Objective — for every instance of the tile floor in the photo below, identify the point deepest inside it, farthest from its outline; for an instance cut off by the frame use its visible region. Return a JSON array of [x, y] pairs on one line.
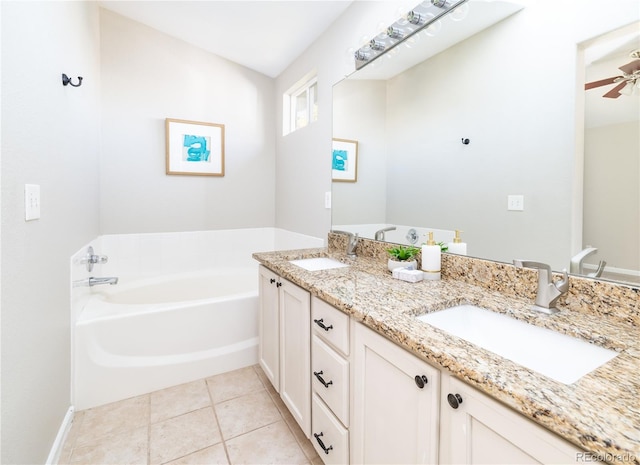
[[232, 418]]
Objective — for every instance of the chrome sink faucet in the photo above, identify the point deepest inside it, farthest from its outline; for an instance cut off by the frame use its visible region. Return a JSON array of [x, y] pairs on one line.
[[548, 292], [352, 241], [576, 265], [379, 236]]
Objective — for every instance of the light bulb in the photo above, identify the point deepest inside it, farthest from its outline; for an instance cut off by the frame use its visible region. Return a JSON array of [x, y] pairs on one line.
[[460, 12], [433, 29], [627, 89], [395, 32], [411, 41]]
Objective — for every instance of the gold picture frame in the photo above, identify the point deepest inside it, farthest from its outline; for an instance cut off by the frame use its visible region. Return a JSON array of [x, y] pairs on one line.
[[194, 148]]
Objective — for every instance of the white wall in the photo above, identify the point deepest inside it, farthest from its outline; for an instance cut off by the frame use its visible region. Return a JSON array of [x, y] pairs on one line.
[[612, 202], [149, 76], [50, 137], [359, 110], [303, 167], [538, 124]]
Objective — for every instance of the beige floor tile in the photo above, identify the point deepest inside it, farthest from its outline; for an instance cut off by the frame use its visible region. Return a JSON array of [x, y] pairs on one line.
[[124, 448], [263, 377], [243, 414], [214, 455], [182, 435], [113, 418], [234, 384], [177, 400], [272, 444], [70, 440]]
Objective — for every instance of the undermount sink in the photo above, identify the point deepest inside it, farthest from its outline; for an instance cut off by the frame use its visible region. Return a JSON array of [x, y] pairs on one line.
[[558, 356], [318, 263]]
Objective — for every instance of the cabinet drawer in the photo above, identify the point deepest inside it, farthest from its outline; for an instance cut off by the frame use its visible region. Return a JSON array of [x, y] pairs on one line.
[[326, 429], [330, 378], [330, 324]]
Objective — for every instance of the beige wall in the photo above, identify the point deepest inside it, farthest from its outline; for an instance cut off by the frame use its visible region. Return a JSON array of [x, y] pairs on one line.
[[148, 76], [50, 137]]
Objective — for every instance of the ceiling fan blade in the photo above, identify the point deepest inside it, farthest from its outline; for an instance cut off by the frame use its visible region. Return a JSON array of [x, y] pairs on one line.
[[630, 68], [602, 82], [614, 93]]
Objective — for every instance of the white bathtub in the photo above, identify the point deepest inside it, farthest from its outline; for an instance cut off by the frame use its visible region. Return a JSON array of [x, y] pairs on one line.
[[147, 334]]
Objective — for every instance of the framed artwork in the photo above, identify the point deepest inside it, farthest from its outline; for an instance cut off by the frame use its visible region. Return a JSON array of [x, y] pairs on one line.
[[344, 160], [194, 148]]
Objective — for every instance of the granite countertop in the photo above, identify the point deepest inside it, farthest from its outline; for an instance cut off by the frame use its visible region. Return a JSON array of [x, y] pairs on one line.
[[600, 412]]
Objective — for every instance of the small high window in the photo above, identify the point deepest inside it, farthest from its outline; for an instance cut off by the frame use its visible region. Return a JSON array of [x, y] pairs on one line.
[[300, 104]]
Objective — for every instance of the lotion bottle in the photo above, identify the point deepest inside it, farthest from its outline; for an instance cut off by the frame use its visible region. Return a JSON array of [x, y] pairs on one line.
[[431, 255], [457, 246]]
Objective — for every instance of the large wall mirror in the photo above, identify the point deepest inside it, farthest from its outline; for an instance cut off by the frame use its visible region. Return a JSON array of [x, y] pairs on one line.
[[566, 158]]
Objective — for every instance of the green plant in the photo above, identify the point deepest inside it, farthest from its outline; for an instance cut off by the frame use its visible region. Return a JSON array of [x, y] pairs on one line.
[[443, 246], [403, 253]]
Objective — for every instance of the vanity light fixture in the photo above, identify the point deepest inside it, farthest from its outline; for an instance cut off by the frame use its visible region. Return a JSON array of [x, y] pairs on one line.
[[420, 17]]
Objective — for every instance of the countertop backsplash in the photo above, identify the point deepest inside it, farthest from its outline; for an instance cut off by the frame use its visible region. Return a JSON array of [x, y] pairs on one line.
[[585, 295]]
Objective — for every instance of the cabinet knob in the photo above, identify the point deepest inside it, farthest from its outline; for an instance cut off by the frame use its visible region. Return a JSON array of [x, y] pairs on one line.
[[421, 381], [321, 379], [454, 400], [272, 280], [322, 325], [278, 284], [325, 449]]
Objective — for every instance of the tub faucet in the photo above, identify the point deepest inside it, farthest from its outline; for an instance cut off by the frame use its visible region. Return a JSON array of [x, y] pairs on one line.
[[352, 241], [548, 291], [95, 281], [379, 236]]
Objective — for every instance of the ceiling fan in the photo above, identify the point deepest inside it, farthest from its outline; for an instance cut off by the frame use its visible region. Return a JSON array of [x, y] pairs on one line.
[[630, 78]]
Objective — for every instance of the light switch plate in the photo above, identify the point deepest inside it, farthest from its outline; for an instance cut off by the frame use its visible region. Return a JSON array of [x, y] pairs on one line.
[[515, 202], [31, 202], [327, 200]]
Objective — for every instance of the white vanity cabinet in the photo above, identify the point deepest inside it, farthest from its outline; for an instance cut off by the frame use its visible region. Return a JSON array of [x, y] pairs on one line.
[[396, 403], [476, 429], [330, 370], [285, 347], [269, 325]]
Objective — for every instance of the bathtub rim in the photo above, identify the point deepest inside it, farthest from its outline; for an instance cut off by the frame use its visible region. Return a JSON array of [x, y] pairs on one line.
[[97, 308]]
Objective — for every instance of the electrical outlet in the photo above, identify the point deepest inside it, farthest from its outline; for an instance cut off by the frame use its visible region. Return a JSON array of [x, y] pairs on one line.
[[515, 202]]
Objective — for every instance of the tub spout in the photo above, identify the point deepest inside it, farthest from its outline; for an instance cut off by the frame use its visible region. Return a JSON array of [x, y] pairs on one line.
[[96, 281]]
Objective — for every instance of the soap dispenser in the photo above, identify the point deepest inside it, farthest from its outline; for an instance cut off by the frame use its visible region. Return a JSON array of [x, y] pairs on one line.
[[431, 259], [457, 246]]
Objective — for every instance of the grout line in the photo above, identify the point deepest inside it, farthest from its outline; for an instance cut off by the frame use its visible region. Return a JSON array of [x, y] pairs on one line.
[[149, 431], [215, 415]]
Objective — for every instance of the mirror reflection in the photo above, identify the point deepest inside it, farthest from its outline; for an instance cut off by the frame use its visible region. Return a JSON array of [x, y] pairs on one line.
[[497, 137]]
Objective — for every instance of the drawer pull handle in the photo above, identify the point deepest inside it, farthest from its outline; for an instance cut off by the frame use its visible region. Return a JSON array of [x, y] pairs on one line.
[[322, 325], [278, 284], [272, 280], [325, 449], [421, 381], [454, 400], [324, 383]]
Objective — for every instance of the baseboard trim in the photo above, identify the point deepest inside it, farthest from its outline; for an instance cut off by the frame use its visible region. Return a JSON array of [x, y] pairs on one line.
[[56, 448]]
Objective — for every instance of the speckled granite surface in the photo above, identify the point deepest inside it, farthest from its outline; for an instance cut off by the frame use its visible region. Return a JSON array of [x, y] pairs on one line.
[[600, 412]]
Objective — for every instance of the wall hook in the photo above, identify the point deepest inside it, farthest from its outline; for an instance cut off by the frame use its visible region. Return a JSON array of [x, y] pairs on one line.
[[67, 80], [465, 141]]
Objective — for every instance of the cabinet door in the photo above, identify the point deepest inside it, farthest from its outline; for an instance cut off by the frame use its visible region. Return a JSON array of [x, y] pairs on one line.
[[394, 419], [269, 326], [480, 430], [295, 352]]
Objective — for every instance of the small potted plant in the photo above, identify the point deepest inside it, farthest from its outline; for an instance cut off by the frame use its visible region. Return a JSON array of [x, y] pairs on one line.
[[403, 256]]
